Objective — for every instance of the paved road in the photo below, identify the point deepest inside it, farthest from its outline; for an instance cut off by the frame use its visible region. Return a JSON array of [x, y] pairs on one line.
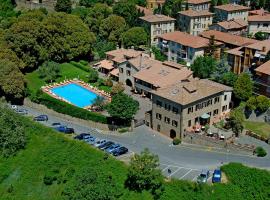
[[184, 161]]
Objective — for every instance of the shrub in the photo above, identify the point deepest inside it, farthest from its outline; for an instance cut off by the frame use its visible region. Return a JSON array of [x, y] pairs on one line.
[[84, 62], [65, 108], [176, 141], [260, 152], [81, 66]]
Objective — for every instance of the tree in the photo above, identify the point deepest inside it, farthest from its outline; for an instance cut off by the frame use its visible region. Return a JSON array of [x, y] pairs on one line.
[[11, 80], [229, 78], [143, 173], [203, 67], [158, 54], [98, 102], [251, 103], [117, 88], [123, 107], [236, 120], [49, 71], [111, 28], [63, 6], [8, 54], [91, 3], [172, 7], [101, 47], [127, 9], [222, 68], [261, 36], [93, 75], [243, 87], [212, 47], [135, 37], [263, 103]]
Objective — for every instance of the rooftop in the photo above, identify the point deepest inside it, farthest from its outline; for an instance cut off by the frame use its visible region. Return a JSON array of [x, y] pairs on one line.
[[185, 39], [157, 18], [228, 38], [232, 7], [236, 51], [263, 47], [233, 24], [259, 18], [264, 68], [195, 13], [198, 1], [121, 55], [190, 91], [258, 12], [144, 10], [157, 73]]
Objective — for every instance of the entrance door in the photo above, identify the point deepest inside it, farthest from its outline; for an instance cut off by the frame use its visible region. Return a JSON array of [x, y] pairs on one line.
[[172, 134]]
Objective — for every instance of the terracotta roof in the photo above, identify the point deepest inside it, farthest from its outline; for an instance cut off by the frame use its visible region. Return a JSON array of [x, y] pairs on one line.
[[228, 38], [195, 13], [122, 55], [158, 73], [198, 1], [263, 47], [185, 39], [144, 10], [107, 64], [186, 92], [259, 18], [157, 18], [258, 12], [115, 72], [264, 68], [231, 7], [233, 24], [236, 51]]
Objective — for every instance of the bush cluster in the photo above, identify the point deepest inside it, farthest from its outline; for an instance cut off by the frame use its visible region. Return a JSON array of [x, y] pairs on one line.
[[260, 152], [65, 108], [176, 141]]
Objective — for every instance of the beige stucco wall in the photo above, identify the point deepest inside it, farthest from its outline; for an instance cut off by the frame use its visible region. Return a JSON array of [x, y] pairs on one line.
[[225, 15], [254, 27], [159, 28]]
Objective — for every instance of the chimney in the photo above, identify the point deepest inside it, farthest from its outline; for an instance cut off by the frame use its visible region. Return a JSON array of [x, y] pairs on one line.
[[141, 61], [263, 48]]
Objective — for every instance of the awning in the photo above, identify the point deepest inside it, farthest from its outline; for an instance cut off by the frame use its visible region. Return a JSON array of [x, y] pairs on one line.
[[205, 116]]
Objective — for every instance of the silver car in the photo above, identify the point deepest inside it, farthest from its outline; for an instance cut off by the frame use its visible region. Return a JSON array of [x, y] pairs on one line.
[[99, 142]]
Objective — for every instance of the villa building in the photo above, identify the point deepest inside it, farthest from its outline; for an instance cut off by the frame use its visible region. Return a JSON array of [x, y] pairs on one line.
[[198, 5], [234, 26], [180, 46], [188, 105], [231, 11], [259, 23], [194, 22], [248, 56], [262, 80], [157, 25]]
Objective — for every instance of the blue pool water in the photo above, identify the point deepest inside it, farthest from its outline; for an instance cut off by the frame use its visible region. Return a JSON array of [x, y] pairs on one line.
[[75, 94]]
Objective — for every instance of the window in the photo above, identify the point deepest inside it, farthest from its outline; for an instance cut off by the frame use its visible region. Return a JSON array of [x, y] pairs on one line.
[[158, 127], [174, 123], [167, 107], [190, 110], [128, 72], [159, 103], [121, 70], [158, 116], [175, 110], [189, 123], [215, 112], [265, 25], [216, 99], [167, 120], [128, 65], [225, 97], [224, 108]]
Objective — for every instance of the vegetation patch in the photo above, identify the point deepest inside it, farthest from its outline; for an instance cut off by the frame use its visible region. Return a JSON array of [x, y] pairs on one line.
[[260, 128]]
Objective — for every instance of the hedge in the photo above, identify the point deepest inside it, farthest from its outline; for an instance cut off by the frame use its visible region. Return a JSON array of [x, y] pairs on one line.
[[80, 66], [68, 109], [84, 62]]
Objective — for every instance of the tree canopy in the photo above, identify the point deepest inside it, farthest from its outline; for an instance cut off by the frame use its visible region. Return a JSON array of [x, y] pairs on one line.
[[204, 66], [243, 87], [63, 6], [135, 37], [49, 71], [172, 7]]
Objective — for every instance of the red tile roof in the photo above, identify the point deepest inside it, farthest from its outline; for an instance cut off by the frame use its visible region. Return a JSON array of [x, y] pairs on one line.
[[233, 24], [198, 1], [195, 13], [231, 7], [259, 18], [157, 18], [264, 68]]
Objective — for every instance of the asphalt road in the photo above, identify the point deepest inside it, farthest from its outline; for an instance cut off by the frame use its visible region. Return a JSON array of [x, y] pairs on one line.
[[182, 160]]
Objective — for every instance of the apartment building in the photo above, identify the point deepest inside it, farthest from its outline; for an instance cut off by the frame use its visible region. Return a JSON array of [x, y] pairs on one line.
[[157, 25], [231, 11], [229, 40], [146, 74], [259, 23], [152, 4], [187, 105], [248, 56], [180, 46], [194, 22], [234, 26], [262, 80], [198, 5]]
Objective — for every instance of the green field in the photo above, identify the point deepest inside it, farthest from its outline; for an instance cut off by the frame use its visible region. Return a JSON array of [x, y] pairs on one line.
[[50, 154], [259, 128]]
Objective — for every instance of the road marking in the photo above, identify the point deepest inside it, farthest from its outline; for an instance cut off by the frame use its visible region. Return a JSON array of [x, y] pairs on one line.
[[166, 168], [194, 178], [175, 171], [186, 174]]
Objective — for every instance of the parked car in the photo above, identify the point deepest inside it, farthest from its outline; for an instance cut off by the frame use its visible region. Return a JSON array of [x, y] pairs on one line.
[[41, 118], [81, 136], [113, 147], [55, 124], [203, 177], [21, 111], [90, 140], [64, 129], [99, 142], [14, 107], [216, 176], [120, 151], [106, 145]]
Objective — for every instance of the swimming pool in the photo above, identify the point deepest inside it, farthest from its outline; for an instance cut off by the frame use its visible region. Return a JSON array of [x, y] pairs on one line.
[[75, 94]]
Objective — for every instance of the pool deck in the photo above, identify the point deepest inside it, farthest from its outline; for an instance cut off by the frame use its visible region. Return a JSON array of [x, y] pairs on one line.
[[47, 89]]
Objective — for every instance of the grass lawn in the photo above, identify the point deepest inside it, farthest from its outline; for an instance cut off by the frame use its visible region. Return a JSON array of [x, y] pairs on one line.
[[259, 128]]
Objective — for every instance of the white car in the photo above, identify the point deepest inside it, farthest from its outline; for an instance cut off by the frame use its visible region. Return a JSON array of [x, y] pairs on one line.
[[100, 142]]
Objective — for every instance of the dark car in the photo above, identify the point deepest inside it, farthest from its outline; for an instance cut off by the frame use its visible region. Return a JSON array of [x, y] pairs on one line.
[[64, 129], [41, 118], [106, 145], [55, 124], [119, 151], [21, 111], [81, 136], [216, 176]]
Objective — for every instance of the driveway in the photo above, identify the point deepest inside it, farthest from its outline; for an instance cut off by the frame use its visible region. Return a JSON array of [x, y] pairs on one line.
[[183, 160]]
